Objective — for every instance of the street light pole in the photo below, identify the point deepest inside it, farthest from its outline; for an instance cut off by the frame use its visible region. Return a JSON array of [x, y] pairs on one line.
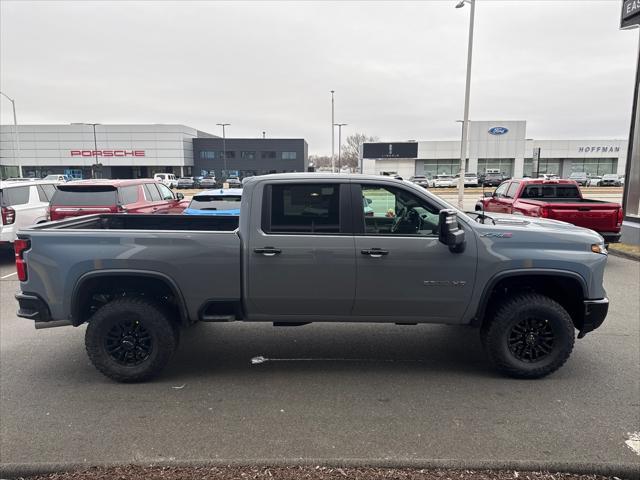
[[333, 153], [465, 123], [224, 147], [339, 125], [95, 149], [16, 135]]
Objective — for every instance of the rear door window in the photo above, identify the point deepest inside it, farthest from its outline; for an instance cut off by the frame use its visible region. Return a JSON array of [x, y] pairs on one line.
[[15, 196], [151, 192], [85, 196], [303, 209], [215, 202], [129, 195]]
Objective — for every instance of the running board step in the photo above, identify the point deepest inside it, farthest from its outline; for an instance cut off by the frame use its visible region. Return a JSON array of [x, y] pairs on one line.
[[218, 318]]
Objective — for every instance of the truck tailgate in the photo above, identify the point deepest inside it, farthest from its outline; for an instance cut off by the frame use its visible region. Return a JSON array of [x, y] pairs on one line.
[[601, 217]]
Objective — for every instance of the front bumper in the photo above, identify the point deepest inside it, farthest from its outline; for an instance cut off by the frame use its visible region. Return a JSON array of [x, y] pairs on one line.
[[595, 311]]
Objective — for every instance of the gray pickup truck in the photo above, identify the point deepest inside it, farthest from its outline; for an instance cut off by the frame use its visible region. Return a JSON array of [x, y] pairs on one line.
[[315, 248]]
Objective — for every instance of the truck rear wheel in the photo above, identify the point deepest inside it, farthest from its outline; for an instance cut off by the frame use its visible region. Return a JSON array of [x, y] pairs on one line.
[[530, 336], [130, 339]]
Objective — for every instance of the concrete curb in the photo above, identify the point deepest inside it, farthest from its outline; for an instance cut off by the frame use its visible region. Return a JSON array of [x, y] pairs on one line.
[[628, 256], [629, 471]]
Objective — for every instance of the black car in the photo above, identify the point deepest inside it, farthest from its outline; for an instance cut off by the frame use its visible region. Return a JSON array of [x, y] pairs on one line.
[[493, 179]]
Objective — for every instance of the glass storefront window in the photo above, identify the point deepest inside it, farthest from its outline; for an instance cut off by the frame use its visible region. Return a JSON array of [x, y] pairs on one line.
[[448, 166], [545, 165], [595, 166], [504, 165]]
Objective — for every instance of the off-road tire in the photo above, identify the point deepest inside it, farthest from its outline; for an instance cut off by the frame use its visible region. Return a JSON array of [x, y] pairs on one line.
[[496, 333], [156, 322]]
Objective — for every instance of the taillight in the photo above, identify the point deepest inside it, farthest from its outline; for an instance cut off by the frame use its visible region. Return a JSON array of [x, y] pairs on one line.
[[8, 215], [544, 212], [19, 247], [620, 217]]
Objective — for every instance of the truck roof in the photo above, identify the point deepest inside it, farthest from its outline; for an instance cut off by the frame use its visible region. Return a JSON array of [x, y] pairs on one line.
[[112, 183], [535, 181], [321, 176]]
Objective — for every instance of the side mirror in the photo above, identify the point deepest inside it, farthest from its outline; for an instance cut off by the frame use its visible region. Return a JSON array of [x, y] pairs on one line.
[[488, 194], [450, 232], [179, 196]]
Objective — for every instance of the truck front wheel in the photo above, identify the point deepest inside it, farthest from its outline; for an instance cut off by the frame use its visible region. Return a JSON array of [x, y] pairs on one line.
[[130, 339], [530, 336]]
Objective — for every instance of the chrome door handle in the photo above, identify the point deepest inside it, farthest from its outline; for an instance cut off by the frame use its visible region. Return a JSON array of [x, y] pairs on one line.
[[374, 252], [268, 251]]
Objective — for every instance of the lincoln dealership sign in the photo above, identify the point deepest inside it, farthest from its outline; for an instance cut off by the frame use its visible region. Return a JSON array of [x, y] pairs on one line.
[[107, 153], [599, 148]]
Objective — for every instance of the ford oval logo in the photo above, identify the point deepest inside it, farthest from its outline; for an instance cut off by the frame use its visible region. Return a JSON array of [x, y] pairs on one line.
[[498, 130]]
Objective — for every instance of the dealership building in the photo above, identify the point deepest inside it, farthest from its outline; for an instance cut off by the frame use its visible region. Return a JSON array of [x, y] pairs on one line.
[[497, 145], [139, 151]]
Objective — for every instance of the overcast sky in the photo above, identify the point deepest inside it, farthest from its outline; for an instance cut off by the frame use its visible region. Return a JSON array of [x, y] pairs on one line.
[[397, 68]]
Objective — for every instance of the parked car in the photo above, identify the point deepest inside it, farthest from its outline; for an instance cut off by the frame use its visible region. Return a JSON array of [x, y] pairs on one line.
[[169, 179], [594, 181], [422, 181], [57, 178], [23, 204], [581, 178], [492, 179], [470, 179], [549, 176], [610, 180], [86, 197], [233, 182], [208, 182], [555, 199], [298, 253], [622, 179], [186, 182], [223, 201], [445, 181]]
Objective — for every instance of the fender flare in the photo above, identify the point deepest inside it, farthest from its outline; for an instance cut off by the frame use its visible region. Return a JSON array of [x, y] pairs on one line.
[[537, 272], [75, 301]]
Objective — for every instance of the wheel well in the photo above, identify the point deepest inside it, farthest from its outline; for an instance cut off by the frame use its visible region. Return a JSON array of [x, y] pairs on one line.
[[567, 291], [95, 292]]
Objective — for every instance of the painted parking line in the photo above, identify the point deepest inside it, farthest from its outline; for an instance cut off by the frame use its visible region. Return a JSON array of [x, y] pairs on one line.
[[9, 275]]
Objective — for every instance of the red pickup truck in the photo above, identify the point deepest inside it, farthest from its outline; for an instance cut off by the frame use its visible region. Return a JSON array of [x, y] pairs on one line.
[[555, 199]]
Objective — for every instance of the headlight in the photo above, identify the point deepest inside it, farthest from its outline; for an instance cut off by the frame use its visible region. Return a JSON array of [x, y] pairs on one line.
[[599, 248]]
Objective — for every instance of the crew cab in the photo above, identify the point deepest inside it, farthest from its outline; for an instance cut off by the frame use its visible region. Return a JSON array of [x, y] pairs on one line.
[[555, 199], [86, 197], [309, 248]]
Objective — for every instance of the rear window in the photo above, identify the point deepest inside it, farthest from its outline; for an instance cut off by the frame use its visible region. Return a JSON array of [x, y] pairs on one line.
[[93, 196], [551, 191], [14, 196], [215, 202]]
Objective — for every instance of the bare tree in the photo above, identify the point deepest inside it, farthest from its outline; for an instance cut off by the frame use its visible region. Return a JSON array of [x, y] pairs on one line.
[[320, 160], [351, 148]]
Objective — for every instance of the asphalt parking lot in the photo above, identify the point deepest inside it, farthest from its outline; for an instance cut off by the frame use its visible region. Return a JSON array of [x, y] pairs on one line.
[[402, 393]]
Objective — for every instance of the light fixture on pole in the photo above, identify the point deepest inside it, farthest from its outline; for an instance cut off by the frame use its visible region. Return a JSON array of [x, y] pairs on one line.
[[339, 125], [224, 148], [264, 134], [333, 154], [465, 123], [16, 136]]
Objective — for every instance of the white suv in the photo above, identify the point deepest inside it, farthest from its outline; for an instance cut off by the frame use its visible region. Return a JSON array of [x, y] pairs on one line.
[[23, 204], [169, 179]]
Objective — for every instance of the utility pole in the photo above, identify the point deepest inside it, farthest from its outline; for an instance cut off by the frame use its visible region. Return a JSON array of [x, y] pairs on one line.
[[16, 135], [224, 148], [339, 125], [333, 154], [465, 124]]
